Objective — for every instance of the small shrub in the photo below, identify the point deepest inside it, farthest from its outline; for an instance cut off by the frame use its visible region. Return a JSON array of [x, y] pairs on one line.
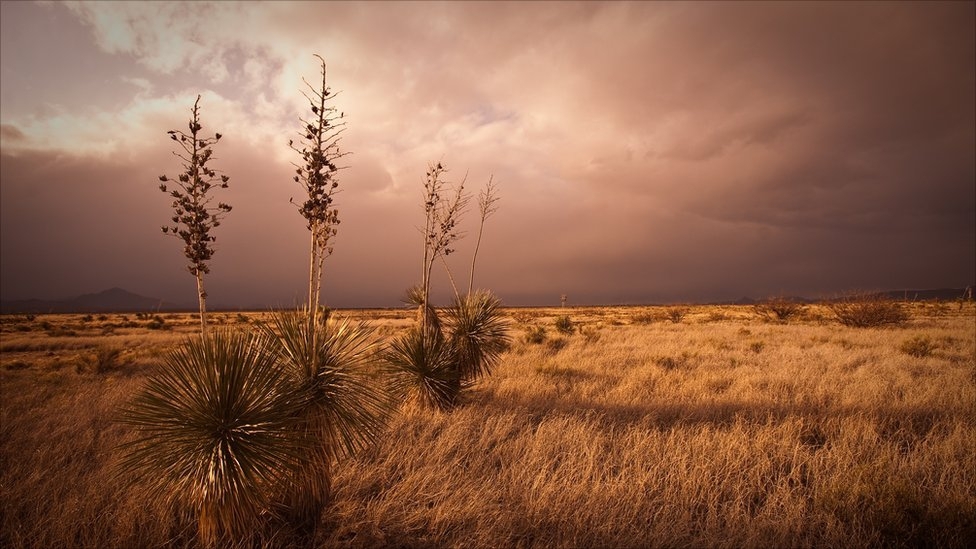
[[716, 317], [103, 360], [590, 335], [779, 309], [564, 325], [676, 314], [864, 311], [536, 335], [102, 318], [757, 346], [919, 346], [157, 323], [241, 319], [87, 318], [644, 318]]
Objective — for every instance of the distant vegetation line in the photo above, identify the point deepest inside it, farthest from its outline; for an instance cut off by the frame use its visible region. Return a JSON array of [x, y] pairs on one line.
[[118, 300]]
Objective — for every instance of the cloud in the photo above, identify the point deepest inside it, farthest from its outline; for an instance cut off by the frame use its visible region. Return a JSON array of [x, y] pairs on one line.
[[643, 150]]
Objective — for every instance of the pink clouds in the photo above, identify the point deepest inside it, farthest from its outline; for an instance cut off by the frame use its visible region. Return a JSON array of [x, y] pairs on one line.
[[644, 150]]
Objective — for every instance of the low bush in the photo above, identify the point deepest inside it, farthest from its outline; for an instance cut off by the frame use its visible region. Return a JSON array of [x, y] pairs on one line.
[[919, 346], [676, 314], [867, 311], [644, 318], [536, 335], [564, 325], [779, 309]]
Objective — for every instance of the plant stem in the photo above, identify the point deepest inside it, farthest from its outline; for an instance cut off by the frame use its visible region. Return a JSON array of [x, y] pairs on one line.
[[202, 297]]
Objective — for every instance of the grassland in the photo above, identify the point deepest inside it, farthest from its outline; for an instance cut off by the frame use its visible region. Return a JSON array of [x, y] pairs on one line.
[[626, 430]]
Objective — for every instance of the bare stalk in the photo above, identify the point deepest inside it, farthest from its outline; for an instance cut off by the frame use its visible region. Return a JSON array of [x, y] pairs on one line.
[[487, 199], [440, 232]]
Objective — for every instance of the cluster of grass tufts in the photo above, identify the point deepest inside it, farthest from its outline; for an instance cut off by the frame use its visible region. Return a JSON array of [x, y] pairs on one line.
[[919, 346]]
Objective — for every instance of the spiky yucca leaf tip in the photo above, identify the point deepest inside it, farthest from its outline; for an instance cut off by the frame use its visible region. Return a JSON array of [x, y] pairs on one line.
[[215, 432], [478, 333]]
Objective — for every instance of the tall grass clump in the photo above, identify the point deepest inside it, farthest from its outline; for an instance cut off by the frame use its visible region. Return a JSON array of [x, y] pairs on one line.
[[215, 433]]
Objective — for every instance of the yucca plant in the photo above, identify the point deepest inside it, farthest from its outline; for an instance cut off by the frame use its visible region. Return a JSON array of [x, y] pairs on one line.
[[422, 365], [215, 433], [343, 406], [317, 174], [478, 332], [434, 361]]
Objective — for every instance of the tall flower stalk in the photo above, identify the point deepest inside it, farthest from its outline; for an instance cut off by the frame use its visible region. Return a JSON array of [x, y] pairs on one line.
[[442, 214], [194, 214], [487, 206], [318, 145]]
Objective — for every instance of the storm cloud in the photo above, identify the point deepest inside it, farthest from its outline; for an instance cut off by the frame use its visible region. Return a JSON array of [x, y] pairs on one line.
[[645, 152]]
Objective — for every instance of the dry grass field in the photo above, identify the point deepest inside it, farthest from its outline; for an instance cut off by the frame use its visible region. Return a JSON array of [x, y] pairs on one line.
[[623, 429]]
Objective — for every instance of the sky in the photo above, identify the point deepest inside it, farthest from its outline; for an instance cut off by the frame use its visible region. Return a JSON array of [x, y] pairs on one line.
[[646, 152]]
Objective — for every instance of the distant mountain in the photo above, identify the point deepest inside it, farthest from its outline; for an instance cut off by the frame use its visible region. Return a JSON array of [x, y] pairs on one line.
[[115, 300]]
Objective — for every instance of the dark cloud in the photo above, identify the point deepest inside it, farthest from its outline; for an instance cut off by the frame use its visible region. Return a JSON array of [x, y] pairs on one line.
[[644, 151]]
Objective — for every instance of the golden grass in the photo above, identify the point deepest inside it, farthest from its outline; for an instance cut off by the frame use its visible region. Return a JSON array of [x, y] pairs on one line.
[[722, 430]]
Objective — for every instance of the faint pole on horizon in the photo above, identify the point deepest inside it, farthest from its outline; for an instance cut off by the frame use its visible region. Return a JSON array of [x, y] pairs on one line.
[[562, 300]]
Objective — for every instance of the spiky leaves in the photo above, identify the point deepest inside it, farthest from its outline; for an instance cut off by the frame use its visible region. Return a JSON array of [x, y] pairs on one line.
[[318, 145], [422, 367], [343, 409], [215, 432], [194, 214], [478, 334], [432, 366]]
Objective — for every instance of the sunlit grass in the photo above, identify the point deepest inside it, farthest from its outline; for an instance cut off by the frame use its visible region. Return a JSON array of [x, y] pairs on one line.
[[723, 430]]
